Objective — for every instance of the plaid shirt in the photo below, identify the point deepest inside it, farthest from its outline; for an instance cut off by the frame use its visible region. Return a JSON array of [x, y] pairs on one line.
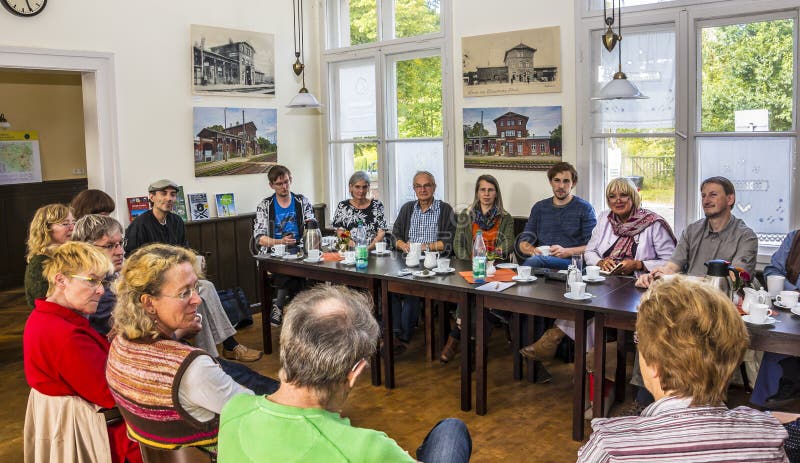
[[424, 225]]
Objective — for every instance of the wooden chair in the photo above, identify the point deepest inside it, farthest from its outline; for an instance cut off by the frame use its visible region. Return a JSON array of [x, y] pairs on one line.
[[184, 455]]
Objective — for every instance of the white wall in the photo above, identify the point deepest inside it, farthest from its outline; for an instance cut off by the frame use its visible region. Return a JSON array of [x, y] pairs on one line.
[[151, 47], [476, 17]]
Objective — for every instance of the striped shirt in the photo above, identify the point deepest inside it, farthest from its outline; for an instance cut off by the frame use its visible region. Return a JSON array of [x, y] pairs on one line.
[[424, 224], [669, 430]]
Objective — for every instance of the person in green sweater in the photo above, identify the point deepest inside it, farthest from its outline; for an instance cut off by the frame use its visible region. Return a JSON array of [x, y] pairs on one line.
[[51, 227], [327, 336], [486, 213]]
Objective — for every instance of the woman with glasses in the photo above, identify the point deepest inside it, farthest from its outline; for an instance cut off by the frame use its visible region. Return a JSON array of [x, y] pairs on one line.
[[157, 295], [51, 226], [65, 362], [360, 208]]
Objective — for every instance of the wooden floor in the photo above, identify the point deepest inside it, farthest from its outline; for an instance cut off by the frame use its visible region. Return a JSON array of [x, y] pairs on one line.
[[525, 422]]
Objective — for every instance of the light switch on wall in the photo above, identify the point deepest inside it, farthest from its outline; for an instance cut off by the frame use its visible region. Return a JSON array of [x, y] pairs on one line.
[[79, 171]]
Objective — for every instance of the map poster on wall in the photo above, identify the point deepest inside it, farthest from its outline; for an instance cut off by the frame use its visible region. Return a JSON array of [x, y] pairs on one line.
[[19, 157], [512, 63]]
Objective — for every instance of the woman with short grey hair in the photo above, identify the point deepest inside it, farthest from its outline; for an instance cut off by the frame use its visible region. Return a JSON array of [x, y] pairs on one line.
[[360, 208]]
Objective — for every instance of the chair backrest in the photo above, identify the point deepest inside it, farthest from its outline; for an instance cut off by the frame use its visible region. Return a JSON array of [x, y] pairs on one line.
[[184, 455]]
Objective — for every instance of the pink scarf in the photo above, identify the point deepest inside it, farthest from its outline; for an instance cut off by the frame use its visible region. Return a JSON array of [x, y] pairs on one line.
[[627, 231]]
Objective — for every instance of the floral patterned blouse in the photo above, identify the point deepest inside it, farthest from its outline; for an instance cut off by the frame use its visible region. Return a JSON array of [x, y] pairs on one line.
[[347, 217]]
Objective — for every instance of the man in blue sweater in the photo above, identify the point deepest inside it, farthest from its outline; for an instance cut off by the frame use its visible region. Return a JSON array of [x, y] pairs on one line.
[[563, 222]]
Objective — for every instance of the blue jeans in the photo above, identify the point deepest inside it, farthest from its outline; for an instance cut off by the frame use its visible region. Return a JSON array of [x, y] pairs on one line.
[[248, 378], [448, 442], [405, 314], [548, 262], [769, 377]]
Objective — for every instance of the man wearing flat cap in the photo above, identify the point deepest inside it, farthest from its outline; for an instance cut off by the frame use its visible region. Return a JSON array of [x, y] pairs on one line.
[[159, 224]]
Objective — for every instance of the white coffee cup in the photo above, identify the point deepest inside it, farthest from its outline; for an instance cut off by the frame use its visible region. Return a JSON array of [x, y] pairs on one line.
[[279, 249], [592, 272], [759, 313], [443, 264], [349, 256], [380, 247], [524, 272], [545, 250], [314, 254], [775, 284], [788, 298], [577, 288]]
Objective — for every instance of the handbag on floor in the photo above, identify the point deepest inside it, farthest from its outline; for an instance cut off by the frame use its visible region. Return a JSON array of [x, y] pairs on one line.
[[237, 307]]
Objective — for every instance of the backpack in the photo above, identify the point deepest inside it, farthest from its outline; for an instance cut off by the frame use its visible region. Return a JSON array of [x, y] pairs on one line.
[[236, 306]]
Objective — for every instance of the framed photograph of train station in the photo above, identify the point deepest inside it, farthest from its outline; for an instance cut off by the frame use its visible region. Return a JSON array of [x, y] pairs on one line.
[[512, 138], [234, 141], [232, 62], [512, 63]]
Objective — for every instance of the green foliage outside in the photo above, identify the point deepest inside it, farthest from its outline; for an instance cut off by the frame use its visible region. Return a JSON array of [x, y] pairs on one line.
[[747, 66], [419, 97], [412, 18], [365, 157]]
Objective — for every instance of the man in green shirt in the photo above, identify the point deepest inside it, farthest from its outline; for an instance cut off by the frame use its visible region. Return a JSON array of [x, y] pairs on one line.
[[327, 335]]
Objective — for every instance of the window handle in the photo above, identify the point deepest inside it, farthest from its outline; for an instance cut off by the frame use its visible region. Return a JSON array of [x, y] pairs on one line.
[[680, 134]]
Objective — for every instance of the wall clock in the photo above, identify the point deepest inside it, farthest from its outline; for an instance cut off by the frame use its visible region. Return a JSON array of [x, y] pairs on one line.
[[24, 8]]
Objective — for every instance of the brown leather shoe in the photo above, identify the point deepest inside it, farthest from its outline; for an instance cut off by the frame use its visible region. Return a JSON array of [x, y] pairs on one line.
[[242, 354], [450, 349], [545, 347]]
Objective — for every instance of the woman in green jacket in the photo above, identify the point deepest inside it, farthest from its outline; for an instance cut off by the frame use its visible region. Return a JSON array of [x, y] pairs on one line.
[[486, 213]]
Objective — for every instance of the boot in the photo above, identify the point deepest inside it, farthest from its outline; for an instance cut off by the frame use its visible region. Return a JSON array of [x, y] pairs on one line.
[[450, 349], [545, 347]]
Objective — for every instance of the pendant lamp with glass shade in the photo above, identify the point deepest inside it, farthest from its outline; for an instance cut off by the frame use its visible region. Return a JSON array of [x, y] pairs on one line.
[[303, 99], [620, 88]]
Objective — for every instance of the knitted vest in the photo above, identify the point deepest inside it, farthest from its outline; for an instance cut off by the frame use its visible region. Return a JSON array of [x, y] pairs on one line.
[[144, 380]]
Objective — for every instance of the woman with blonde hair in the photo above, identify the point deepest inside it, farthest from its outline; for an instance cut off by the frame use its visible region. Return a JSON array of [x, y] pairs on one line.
[[65, 361], [157, 295], [51, 226]]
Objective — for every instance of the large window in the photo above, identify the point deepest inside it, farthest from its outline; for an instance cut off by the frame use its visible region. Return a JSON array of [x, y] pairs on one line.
[[722, 100], [385, 71]]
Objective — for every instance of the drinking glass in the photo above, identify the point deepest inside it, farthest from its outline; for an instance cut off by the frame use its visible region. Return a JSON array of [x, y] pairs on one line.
[[577, 261]]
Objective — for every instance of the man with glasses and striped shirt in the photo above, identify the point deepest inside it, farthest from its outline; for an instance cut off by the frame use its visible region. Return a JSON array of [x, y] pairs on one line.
[[430, 222]]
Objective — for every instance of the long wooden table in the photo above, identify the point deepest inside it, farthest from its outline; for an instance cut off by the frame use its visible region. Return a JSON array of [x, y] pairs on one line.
[[614, 306]]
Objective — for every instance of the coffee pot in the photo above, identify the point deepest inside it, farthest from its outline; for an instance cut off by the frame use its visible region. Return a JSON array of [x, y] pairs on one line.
[[718, 275], [312, 237], [430, 259]]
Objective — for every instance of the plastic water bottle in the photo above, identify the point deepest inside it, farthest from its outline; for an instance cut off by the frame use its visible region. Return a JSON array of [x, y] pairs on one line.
[[479, 259], [360, 238], [573, 276]]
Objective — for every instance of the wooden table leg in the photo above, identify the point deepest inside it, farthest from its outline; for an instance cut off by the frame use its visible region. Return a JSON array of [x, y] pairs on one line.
[[388, 348], [430, 331], [598, 406], [466, 373], [266, 305], [622, 365], [375, 361], [516, 345], [579, 388], [533, 368], [481, 350], [444, 326]]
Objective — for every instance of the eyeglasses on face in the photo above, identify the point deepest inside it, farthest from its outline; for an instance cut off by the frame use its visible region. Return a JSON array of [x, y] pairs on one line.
[[186, 293], [93, 282], [426, 186], [109, 246]]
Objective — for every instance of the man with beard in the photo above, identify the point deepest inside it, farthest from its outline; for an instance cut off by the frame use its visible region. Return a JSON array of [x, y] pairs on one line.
[[563, 222], [720, 235]]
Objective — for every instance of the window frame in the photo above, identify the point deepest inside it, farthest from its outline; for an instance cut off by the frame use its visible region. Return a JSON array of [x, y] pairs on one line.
[[687, 19], [384, 53]]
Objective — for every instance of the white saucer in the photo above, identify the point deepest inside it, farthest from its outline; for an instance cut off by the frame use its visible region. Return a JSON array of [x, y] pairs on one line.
[[272, 254], [347, 262], [375, 252], [594, 280], [523, 280], [510, 265], [585, 296], [291, 256], [312, 261], [796, 310], [768, 321], [419, 274], [778, 304], [442, 272]]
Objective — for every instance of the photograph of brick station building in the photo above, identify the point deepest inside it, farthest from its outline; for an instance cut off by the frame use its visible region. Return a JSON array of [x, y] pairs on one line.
[[512, 145]]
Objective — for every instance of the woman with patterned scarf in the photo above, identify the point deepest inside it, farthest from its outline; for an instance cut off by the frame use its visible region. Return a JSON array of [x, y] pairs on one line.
[[486, 213], [626, 234]]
